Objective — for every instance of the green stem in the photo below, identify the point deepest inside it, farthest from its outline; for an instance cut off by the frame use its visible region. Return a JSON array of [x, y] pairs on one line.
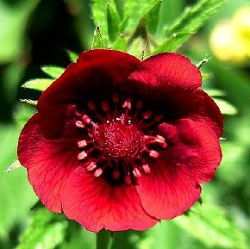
[[103, 240]]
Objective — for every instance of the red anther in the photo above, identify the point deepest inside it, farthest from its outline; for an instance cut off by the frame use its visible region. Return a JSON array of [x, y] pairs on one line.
[[127, 179], [139, 104], [98, 172], [105, 106], [158, 117], [115, 98], [116, 174], [78, 114], [91, 105], [86, 119], [82, 155], [147, 114]]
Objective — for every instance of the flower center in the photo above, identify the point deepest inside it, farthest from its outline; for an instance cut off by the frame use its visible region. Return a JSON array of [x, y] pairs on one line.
[[120, 142]]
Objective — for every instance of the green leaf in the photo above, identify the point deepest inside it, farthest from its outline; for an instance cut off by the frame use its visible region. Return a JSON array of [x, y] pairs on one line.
[[100, 18], [153, 16], [214, 92], [29, 101], [38, 84], [77, 237], [190, 21], [226, 107], [13, 166], [209, 224], [120, 44], [97, 39], [53, 71], [103, 239], [135, 11], [72, 56], [17, 196], [172, 42], [113, 22], [44, 231], [13, 19]]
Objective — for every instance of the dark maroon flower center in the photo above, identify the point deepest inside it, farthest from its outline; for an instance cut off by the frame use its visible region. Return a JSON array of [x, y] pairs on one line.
[[119, 141]]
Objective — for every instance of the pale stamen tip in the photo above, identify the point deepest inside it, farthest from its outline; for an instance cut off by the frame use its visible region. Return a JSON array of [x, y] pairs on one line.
[[82, 144], [91, 166], [136, 172], [82, 155], [98, 172], [146, 168], [127, 104], [154, 154], [79, 124], [86, 119]]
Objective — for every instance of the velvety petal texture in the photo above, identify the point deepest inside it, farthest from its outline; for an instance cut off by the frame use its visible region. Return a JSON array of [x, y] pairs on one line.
[[118, 143], [170, 71], [49, 162], [96, 72], [96, 204]]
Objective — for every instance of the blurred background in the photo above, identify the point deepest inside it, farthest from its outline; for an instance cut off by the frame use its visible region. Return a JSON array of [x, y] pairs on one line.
[[35, 33]]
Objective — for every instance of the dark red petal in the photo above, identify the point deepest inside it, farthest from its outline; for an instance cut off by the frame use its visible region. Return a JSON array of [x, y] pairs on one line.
[[196, 105], [170, 83], [98, 73], [49, 162], [170, 70], [194, 145], [96, 204], [169, 189]]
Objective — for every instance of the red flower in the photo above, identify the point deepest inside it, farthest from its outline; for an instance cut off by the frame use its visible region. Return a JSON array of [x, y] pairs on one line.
[[119, 143]]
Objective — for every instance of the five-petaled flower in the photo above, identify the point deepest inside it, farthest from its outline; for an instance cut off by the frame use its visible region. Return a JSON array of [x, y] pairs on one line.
[[118, 143]]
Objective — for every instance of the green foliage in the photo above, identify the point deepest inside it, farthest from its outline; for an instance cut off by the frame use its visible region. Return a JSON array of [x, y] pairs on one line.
[[103, 240], [225, 107], [12, 28], [206, 226], [153, 16], [120, 44], [13, 166], [38, 84], [53, 71], [172, 42], [113, 21], [72, 56], [97, 39], [214, 92], [78, 237], [134, 12], [44, 231], [209, 224], [100, 17], [17, 196], [187, 24], [135, 29], [29, 101]]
